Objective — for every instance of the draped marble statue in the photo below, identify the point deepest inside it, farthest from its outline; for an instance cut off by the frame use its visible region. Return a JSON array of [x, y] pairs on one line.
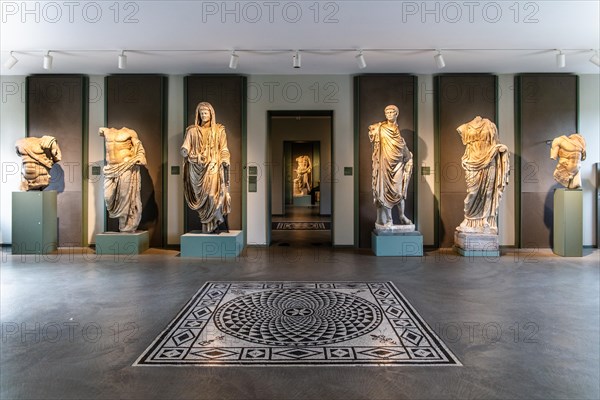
[[122, 178], [206, 168], [302, 183], [570, 151], [392, 164], [38, 155], [486, 165]]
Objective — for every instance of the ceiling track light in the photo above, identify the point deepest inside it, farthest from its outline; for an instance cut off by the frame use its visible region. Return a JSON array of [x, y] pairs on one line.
[[296, 60], [561, 59], [360, 60], [595, 59], [233, 60], [439, 59], [122, 60], [12, 60], [48, 60]]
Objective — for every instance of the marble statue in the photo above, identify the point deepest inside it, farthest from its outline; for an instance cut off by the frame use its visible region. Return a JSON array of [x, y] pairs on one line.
[[302, 183], [38, 154], [486, 165], [570, 151], [122, 177], [206, 168], [392, 168]]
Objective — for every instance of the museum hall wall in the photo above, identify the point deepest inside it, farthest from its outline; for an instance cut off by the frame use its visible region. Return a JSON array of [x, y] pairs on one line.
[[268, 93]]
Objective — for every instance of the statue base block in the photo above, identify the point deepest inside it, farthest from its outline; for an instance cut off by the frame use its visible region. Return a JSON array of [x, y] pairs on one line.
[[34, 222], [122, 242], [206, 245], [303, 201], [568, 222], [397, 244], [476, 244]]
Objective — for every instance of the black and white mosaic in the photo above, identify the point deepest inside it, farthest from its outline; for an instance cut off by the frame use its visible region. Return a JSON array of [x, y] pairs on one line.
[[297, 323]]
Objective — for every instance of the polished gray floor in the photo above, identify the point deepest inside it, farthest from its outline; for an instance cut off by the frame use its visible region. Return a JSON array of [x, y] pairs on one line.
[[525, 325]]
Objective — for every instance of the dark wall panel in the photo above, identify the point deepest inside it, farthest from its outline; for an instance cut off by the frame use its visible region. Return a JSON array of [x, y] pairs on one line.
[[374, 92], [546, 108], [459, 99], [57, 106], [227, 95], [139, 102]]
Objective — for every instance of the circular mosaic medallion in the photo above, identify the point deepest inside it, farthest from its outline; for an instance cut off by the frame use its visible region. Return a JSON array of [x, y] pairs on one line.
[[300, 317]]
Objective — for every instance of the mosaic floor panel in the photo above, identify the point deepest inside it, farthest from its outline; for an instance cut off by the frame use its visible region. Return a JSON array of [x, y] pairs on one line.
[[297, 324]]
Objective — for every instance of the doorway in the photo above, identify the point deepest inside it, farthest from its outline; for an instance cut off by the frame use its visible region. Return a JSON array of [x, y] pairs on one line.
[[300, 200]]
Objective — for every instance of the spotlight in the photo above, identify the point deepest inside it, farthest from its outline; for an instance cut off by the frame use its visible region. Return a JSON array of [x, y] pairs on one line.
[[12, 60], [595, 59], [233, 60], [48, 61], [360, 59], [439, 60], [122, 60], [561, 59], [296, 60]]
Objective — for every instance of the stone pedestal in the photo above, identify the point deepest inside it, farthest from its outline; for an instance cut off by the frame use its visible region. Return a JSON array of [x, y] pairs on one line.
[[568, 222], [122, 242], [394, 244], [206, 245], [476, 244], [303, 201], [34, 222]]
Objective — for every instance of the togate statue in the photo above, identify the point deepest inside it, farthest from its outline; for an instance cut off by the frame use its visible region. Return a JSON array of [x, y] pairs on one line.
[[486, 165], [122, 178], [38, 154], [392, 168], [570, 151], [302, 183], [206, 168]]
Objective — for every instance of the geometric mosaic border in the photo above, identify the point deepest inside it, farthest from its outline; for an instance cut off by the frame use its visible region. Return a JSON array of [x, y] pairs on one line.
[[297, 324]]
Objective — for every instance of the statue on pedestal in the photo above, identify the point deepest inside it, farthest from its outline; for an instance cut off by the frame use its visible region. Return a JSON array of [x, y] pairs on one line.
[[122, 178], [302, 183], [206, 168], [38, 155], [570, 151], [392, 164], [486, 165]]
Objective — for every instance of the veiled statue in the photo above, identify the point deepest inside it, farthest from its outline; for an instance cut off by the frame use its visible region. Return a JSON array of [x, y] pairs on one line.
[[38, 155], [392, 168], [122, 177], [206, 168], [570, 151], [302, 183], [486, 165]]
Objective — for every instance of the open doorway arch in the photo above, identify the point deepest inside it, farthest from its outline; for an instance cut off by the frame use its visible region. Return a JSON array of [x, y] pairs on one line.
[[299, 182]]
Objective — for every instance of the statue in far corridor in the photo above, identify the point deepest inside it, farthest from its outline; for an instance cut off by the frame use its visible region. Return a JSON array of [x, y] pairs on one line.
[[302, 183], [122, 177], [392, 169], [570, 151], [486, 165], [38, 155], [206, 169]]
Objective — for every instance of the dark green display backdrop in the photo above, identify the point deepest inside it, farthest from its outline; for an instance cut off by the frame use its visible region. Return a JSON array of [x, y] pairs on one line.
[[459, 99], [546, 107], [372, 94], [138, 102], [227, 95], [57, 106]]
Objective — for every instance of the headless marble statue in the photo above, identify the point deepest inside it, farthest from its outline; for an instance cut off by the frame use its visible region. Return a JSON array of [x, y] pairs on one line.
[[570, 151], [38, 154]]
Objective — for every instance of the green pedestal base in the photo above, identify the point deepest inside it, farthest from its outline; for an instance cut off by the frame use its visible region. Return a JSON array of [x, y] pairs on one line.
[[223, 245], [122, 242], [401, 244], [476, 244], [302, 201], [34, 222], [568, 222], [476, 253]]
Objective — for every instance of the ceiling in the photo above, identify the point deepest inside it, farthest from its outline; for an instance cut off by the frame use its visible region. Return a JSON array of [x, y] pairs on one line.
[[181, 37]]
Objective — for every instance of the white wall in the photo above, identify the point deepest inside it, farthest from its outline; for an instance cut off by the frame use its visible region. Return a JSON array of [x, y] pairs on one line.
[[506, 132], [95, 184], [12, 128], [426, 157], [175, 130]]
